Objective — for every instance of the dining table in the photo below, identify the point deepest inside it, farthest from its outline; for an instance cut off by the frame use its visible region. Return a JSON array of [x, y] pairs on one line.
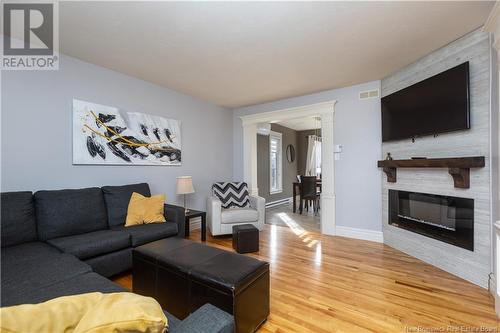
[[296, 191]]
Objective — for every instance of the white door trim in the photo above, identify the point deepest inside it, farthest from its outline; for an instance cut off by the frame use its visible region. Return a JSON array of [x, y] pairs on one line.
[[492, 25], [326, 112]]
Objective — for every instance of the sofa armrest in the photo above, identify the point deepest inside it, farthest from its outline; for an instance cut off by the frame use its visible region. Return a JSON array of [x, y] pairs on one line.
[[177, 215], [207, 319]]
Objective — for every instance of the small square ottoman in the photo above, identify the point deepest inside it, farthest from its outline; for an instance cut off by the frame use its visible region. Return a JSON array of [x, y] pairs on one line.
[[245, 238]]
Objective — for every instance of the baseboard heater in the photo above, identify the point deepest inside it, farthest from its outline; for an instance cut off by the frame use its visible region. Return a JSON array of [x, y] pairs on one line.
[[278, 202]]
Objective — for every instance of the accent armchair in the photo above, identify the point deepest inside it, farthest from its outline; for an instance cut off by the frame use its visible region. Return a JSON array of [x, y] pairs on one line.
[[220, 221]]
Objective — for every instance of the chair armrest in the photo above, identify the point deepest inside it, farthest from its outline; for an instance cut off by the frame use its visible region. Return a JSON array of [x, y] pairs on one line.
[[177, 215], [257, 202], [214, 210], [207, 319], [214, 203]]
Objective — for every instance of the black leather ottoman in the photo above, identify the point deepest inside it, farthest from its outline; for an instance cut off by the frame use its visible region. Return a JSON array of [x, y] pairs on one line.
[[245, 238], [183, 275]]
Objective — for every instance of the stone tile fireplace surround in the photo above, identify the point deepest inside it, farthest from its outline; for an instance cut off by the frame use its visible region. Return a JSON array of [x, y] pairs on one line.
[[474, 266]]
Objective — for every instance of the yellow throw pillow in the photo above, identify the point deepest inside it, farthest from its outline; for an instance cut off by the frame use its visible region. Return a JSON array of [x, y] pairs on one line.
[[143, 209], [86, 313]]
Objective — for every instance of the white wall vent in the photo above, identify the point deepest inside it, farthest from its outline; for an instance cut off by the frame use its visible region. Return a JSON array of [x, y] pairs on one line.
[[368, 94]]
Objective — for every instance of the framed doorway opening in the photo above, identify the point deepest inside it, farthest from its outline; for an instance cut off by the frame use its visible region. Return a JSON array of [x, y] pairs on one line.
[[325, 111]]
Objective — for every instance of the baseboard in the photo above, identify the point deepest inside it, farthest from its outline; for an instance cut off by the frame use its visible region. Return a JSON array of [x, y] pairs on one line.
[[493, 288], [493, 285], [497, 305], [365, 234], [278, 202]]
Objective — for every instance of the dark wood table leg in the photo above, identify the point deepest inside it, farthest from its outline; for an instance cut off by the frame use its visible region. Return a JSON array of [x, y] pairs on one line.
[[294, 198], [186, 228], [203, 227]]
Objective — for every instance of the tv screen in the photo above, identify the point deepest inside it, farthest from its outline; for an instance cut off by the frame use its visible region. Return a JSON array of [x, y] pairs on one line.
[[436, 105]]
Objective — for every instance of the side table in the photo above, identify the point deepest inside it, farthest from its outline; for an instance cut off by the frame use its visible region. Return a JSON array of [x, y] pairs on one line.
[[191, 214]]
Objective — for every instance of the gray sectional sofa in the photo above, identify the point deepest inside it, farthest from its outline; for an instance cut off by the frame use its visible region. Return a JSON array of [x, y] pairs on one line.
[[65, 242]]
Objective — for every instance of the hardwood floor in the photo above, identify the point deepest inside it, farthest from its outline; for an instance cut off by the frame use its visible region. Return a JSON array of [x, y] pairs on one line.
[[333, 284], [283, 216]]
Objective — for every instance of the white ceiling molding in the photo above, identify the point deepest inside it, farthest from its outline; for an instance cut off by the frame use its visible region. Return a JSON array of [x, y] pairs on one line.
[[311, 110], [302, 124]]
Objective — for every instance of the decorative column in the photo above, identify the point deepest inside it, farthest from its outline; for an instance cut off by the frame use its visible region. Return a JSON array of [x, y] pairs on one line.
[[328, 173], [250, 157]]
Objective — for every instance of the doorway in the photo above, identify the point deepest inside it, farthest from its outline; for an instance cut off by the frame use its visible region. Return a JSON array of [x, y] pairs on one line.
[[287, 151], [325, 113]]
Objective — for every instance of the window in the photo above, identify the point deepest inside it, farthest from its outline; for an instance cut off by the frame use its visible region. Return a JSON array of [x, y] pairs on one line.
[[275, 163], [317, 151]]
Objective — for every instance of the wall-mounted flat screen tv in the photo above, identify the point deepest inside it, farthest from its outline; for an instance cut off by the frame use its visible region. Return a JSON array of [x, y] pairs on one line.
[[435, 105]]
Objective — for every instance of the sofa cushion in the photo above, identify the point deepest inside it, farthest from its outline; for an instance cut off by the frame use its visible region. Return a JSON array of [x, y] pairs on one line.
[[92, 244], [31, 266], [83, 283], [239, 215], [145, 233], [112, 263], [69, 212], [117, 199], [18, 218]]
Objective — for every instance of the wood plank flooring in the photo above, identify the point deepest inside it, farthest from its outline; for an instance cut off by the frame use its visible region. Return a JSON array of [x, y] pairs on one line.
[[334, 284], [281, 215]]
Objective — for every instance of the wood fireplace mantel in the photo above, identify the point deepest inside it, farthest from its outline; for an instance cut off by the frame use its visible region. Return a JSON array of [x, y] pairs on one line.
[[458, 167]]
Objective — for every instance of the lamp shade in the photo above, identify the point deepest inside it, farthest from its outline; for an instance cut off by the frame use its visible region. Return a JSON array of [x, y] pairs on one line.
[[185, 185]]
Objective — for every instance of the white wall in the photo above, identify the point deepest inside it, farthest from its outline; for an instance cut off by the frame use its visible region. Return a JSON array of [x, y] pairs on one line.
[[36, 137], [357, 127]]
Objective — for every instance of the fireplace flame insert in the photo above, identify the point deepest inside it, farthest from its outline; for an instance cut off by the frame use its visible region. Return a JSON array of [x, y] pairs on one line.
[[445, 218]]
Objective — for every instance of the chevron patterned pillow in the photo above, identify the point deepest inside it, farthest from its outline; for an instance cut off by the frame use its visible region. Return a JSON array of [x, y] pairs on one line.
[[232, 194]]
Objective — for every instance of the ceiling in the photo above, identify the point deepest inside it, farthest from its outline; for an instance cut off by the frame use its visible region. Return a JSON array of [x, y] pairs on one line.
[[241, 53], [302, 124]]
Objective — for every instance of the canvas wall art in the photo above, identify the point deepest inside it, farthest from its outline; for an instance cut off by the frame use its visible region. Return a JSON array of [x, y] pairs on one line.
[[107, 135]]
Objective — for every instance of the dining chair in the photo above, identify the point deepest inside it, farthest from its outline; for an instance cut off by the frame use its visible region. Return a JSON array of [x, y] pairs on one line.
[[308, 192]]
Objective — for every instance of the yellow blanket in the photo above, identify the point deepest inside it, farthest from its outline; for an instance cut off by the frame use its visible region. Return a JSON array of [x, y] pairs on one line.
[[86, 313]]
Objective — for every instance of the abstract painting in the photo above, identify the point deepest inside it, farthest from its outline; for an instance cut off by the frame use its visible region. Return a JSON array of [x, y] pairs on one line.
[[107, 135]]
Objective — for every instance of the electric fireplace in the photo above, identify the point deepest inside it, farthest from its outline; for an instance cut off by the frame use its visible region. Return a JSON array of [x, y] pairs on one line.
[[445, 218]]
